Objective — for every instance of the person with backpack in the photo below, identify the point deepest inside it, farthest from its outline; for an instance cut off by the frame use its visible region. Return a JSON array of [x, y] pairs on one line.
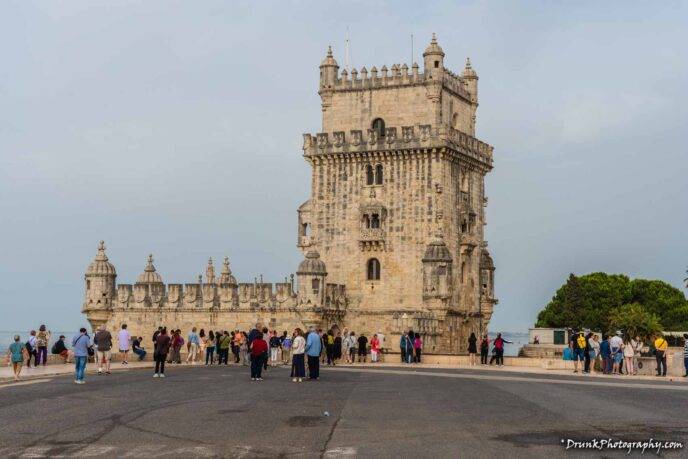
[[579, 345], [498, 351], [42, 340], [82, 348], [287, 342], [586, 351], [661, 347], [328, 338], [60, 349], [484, 349], [30, 347]]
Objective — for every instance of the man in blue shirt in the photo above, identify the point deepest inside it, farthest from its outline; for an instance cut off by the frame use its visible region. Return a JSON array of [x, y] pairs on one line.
[[80, 346], [313, 351], [194, 344]]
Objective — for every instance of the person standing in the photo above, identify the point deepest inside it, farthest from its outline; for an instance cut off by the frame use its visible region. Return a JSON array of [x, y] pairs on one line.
[[345, 345], [225, 343], [499, 350], [362, 348], [605, 355], [578, 345], [406, 346], [194, 342], [137, 349], [30, 346], [81, 344], [209, 348], [243, 349], [266, 338], [59, 348], [123, 339], [685, 354], [162, 347], [586, 355], [637, 348], [374, 348], [103, 339], [298, 348], [275, 345], [287, 343], [661, 347], [472, 349], [15, 355], [42, 340], [313, 350], [337, 348], [628, 353], [616, 352], [594, 351], [259, 350], [417, 347], [484, 349]]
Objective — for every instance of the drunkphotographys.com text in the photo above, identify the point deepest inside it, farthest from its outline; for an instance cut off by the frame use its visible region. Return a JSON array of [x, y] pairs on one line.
[[650, 446]]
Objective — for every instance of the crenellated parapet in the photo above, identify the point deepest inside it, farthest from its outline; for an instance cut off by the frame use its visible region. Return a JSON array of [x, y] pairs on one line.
[[396, 138]]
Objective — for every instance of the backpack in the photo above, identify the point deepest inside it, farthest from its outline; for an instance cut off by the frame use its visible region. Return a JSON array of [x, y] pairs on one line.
[[581, 341]]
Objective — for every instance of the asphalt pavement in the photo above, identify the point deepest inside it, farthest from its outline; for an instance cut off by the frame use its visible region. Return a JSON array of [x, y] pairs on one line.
[[200, 411]]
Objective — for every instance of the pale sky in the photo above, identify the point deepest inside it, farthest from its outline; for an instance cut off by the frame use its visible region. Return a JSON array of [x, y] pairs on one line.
[[175, 128]]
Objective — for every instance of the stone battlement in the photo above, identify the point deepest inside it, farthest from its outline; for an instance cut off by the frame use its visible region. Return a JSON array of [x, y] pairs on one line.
[[406, 137], [396, 76]]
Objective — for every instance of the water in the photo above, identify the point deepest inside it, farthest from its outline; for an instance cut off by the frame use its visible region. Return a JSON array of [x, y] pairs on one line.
[[519, 339], [7, 337]]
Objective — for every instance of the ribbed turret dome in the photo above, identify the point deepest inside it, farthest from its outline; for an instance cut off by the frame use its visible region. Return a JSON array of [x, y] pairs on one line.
[[149, 276], [101, 265], [312, 264], [329, 59], [468, 71], [226, 274], [437, 251], [433, 48]]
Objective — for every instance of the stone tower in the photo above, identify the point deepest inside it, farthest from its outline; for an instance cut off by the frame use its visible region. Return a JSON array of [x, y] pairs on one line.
[[100, 292], [397, 205]]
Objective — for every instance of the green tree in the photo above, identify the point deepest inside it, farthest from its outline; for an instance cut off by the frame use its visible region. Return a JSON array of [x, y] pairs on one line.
[[588, 301], [634, 320]]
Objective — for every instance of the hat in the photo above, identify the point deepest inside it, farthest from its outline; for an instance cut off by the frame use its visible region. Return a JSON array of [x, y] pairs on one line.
[[618, 333]]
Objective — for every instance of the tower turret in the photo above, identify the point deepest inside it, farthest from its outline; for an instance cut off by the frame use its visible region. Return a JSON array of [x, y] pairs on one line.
[[328, 71], [437, 269], [471, 78], [310, 279], [226, 277], [149, 285], [100, 288], [433, 58]]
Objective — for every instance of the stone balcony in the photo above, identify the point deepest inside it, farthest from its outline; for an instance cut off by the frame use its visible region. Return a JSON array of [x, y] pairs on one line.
[[372, 234]]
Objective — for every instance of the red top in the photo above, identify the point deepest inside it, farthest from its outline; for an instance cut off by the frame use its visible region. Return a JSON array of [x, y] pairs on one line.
[[375, 344], [258, 347]]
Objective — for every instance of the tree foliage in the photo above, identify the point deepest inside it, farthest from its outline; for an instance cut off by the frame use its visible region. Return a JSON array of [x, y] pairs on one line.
[[635, 320], [593, 300]]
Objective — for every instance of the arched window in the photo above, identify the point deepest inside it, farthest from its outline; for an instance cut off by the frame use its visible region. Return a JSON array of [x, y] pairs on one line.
[[370, 175], [455, 121], [378, 174], [375, 221], [88, 285], [379, 127], [316, 285], [373, 269]]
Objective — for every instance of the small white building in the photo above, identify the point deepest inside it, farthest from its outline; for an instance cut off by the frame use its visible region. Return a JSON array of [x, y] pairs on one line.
[[548, 335]]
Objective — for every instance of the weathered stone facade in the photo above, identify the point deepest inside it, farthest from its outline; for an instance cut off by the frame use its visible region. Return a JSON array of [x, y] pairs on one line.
[[393, 232]]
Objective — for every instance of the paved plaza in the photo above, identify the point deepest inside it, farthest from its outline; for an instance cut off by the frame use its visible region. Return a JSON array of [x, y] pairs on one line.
[[202, 411]]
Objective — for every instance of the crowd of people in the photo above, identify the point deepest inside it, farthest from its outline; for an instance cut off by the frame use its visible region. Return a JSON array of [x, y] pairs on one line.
[[617, 353], [261, 348]]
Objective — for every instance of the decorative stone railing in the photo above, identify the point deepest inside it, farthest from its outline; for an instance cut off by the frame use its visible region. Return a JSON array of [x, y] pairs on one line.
[[372, 234], [407, 137]]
